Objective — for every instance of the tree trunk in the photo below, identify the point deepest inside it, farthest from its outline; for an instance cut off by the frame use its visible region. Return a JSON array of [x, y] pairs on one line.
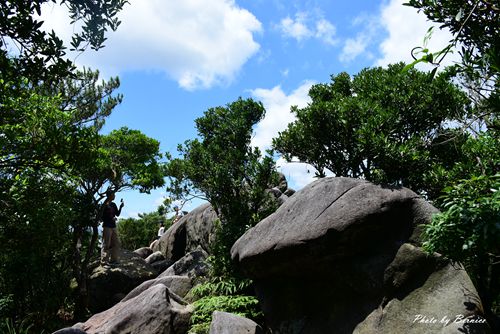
[[82, 274]]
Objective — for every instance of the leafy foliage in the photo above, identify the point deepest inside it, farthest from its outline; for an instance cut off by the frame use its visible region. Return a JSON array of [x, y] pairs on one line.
[[222, 294], [226, 170], [41, 53], [379, 125], [245, 306], [474, 25], [135, 233], [35, 247], [467, 230], [219, 286], [50, 115]]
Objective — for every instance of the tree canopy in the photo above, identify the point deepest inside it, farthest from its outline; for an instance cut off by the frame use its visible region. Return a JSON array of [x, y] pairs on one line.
[[27, 50], [383, 125], [224, 168], [467, 230]]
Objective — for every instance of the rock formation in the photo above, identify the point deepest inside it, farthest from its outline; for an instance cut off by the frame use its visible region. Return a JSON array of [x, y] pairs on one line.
[[155, 311], [339, 256], [342, 256], [228, 323], [196, 229], [108, 285]]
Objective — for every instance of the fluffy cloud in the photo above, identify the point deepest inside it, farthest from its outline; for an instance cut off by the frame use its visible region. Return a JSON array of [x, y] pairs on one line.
[[298, 174], [303, 27], [407, 28], [278, 116], [353, 47], [197, 43]]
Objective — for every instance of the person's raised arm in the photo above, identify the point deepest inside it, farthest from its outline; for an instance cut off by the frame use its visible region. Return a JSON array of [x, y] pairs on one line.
[[121, 206]]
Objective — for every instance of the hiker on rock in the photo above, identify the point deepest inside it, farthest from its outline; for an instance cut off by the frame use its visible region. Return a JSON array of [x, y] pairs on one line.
[[110, 242]]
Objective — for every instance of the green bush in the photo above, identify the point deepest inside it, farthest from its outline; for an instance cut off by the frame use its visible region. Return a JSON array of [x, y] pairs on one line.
[[246, 306], [225, 295], [136, 233], [468, 231]]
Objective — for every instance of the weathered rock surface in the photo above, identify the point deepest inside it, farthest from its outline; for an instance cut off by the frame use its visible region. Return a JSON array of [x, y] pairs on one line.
[[180, 285], [228, 323], [191, 265], [196, 229], [161, 266], [70, 330], [341, 256], [330, 218], [155, 311], [144, 252], [107, 285], [425, 295], [155, 257]]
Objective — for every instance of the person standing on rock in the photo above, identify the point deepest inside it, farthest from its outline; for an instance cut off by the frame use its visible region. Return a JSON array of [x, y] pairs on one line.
[[110, 242], [161, 230], [178, 214]]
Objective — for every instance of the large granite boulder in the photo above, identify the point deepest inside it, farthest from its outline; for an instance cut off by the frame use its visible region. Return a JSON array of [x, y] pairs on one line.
[[109, 284], [69, 330], [154, 311], [196, 229], [155, 257], [341, 253], [192, 265], [228, 323], [425, 294], [180, 285], [144, 252]]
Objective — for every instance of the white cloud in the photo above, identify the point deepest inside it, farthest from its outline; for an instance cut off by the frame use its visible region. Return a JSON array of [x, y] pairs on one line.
[[198, 44], [295, 28], [353, 47], [298, 174], [325, 31], [278, 114], [303, 27], [407, 28]]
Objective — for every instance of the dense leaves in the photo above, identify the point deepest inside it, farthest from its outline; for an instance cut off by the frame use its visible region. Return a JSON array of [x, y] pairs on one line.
[[40, 54], [379, 125], [224, 168], [34, 246], [140, 232], [225, 295], [468, 228], [474, 25]]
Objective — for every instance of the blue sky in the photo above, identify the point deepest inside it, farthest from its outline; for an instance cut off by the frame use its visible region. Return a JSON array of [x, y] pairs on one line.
[[176, 59]]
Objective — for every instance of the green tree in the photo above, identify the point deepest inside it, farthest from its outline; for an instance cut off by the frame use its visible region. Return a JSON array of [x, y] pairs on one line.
[[35, 270], [228, 172], [467, 230], [36, 204], [49, 112], [41, 53], [381, 125], [476, 38], [140, 232], [123, 159]]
